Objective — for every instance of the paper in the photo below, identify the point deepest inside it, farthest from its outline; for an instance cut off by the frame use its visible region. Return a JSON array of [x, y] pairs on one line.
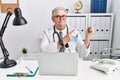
[[21, 69]]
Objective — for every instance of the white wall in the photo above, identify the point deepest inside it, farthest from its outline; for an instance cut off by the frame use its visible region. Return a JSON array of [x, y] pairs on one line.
[[38, 15]]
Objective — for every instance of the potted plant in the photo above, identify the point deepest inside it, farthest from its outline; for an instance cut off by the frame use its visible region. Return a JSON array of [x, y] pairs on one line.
[[24, 51]]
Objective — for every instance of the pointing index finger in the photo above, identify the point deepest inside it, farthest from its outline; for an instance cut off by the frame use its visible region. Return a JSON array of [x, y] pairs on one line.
[[71, 31]]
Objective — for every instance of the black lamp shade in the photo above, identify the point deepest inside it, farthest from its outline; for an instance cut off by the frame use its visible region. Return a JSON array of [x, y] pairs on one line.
[[19, 19]]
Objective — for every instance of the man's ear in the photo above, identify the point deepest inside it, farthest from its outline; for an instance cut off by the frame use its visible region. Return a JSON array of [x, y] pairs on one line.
[[52, 18]]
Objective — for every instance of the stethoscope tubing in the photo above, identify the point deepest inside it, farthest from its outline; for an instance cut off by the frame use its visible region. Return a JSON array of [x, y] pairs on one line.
[[55, 32]]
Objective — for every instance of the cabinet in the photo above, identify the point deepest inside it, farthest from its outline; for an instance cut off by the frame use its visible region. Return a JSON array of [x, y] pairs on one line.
[[102, 37]]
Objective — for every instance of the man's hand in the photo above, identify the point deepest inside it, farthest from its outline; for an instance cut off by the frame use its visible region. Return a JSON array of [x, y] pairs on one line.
[[89, 32], [68, 37]]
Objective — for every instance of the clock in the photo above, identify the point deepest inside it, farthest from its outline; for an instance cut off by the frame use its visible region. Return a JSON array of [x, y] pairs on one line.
[[78, 6]]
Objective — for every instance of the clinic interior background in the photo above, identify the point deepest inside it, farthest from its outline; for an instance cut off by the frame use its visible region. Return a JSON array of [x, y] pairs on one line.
[[38, 15]]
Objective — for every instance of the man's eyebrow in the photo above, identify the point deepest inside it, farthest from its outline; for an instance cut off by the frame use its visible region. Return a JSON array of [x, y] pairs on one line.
[[60, 15]]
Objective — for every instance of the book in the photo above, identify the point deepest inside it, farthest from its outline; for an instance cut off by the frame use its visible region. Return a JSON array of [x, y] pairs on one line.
[[98, 6], [92, 6]]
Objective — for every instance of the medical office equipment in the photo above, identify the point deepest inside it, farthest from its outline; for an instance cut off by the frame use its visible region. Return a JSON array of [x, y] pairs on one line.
[[106, 65], [114, 53], [62, 49], [62, 64]]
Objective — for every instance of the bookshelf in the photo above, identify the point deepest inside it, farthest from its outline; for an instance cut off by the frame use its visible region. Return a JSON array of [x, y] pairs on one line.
[[102, 37]]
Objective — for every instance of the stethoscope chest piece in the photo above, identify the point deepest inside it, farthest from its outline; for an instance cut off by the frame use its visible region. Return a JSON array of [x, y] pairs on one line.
[[55, 32]]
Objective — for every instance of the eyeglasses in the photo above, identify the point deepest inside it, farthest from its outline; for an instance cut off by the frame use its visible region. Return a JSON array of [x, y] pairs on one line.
[[59, 17]]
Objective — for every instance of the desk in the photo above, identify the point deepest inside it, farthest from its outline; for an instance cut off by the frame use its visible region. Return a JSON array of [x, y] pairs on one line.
[[84, 73]]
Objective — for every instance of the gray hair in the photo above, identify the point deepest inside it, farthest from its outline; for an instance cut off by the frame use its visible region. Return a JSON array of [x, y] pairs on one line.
[[58, 8]]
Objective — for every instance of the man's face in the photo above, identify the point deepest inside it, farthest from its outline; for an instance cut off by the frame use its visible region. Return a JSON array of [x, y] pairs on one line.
[[59, 18]]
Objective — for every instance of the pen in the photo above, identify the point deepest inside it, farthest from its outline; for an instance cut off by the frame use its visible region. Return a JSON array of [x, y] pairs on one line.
[[29, 69]]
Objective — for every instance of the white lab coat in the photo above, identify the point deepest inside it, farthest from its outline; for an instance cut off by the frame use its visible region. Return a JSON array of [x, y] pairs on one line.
[[48, 45]]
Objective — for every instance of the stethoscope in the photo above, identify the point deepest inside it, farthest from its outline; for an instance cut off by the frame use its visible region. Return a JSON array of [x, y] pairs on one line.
[[59, 38]]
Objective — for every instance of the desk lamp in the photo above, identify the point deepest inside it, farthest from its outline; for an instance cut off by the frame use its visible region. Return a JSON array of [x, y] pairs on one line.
[[18, 20]]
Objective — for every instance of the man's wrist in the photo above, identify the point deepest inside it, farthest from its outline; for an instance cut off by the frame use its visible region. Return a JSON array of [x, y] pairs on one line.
[[61, 43]]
